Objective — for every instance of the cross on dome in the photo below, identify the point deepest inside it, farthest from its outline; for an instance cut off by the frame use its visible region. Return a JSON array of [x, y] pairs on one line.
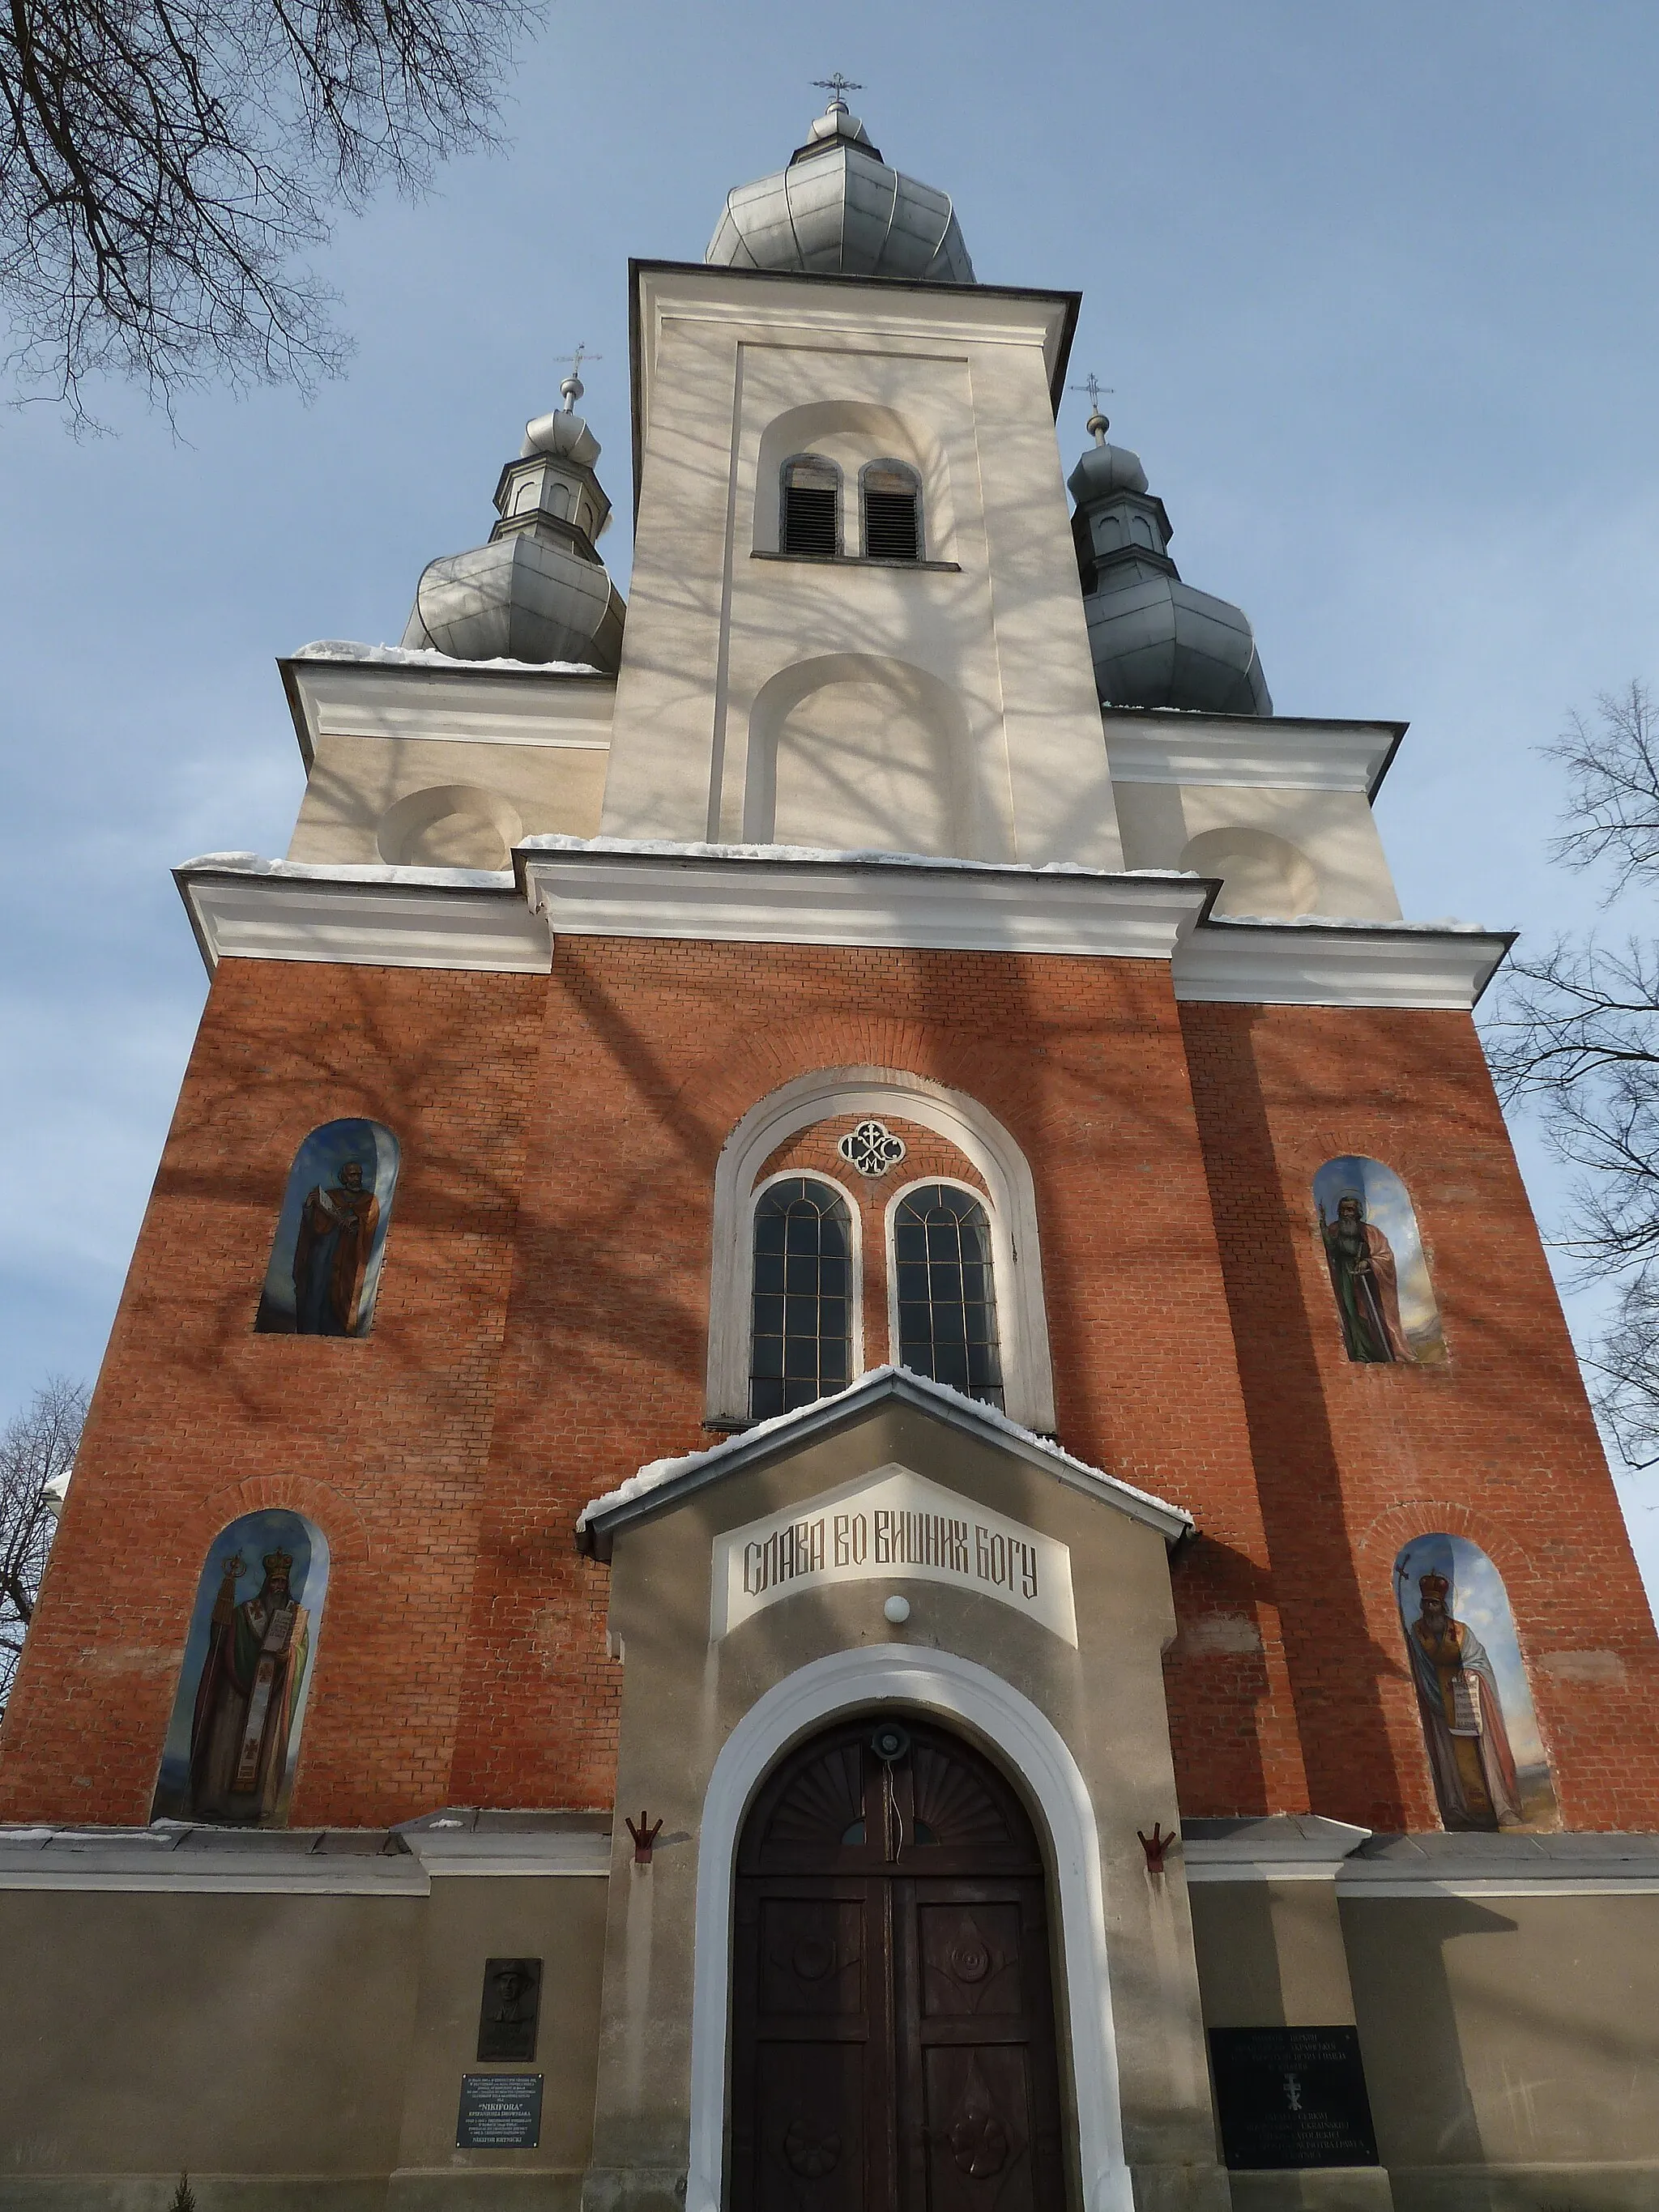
[[1097, 423], [573, 387], [837, 87]]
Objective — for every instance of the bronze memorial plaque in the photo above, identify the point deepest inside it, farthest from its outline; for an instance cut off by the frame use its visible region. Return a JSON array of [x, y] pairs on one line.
[[511, 2008], [1291, 2097]]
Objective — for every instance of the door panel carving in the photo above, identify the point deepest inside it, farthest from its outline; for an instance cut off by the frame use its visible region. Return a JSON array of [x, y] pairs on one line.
[[893, 2045]]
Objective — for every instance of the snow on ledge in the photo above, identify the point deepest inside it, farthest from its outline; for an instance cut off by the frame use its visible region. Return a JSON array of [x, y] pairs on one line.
[[419, 656], [354, 872], [658, 1472], [668, 848]]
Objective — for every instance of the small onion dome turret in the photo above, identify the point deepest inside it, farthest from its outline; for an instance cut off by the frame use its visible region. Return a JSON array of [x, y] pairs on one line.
[[1155, 641], [538, 590], [838, 210]]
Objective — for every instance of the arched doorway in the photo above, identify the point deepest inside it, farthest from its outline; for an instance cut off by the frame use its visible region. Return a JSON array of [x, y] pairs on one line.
[[893, 2031]]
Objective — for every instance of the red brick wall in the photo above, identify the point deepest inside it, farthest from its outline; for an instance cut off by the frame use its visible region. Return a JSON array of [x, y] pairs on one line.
[[381, 1440], [542, 1330], [651, 1053], [1352, 1460]]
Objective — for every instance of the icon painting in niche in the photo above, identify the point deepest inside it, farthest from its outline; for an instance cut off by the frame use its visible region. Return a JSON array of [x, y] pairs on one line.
[[235, 1736], [1487, 1759], [1384, 1298], [331, 1234]]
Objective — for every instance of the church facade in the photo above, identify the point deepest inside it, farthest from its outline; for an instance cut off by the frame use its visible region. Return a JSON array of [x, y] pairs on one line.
[[839, 1472]]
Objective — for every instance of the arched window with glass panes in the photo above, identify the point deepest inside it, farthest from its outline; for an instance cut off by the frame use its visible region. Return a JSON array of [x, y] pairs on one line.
[[892, 512], [943, 1293], [801, 1332], [810, 519]]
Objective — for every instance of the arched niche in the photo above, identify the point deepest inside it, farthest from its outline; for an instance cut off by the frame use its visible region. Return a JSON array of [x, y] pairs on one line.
[[324, 1265], [852, 433], [1261, 874], [823, 1095], [854, 752], [1385, 1300], [233, 1742], [1485, 1754], [450, 826]]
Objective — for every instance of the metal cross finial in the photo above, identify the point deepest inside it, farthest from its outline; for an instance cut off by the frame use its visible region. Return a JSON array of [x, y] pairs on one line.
[[1096, 422], [836, 86], [573, 387]]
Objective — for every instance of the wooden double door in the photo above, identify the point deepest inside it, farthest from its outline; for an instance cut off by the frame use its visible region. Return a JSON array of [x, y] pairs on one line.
[[893, 2031]]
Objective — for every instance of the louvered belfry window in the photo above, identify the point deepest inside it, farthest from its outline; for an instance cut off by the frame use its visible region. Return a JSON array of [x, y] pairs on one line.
[[811, 490], [801, 1345], [892, 513], [947, 1304]]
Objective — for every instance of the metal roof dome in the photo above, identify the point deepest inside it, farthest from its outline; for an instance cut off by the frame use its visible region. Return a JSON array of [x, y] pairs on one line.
[[538, 590], [1155, 641], [838, 210]]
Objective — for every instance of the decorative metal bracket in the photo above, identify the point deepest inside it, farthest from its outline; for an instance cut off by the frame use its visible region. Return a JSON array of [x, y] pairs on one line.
[[1155, 1846], [644, 1836]]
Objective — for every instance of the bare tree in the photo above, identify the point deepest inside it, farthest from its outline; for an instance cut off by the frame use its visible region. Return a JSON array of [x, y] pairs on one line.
[[166, 164], [1576, 1030], [37, 1448]]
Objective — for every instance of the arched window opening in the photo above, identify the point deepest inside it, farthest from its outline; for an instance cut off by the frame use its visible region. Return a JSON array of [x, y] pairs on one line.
[[233, 1744], [331, 1235], [801, 1338], [944, 1290], [892, 512], [1485, 1754], [1384, 1298], [811, 521]]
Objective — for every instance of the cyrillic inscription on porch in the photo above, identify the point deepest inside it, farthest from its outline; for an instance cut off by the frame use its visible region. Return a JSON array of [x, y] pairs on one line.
[[892, 1526]]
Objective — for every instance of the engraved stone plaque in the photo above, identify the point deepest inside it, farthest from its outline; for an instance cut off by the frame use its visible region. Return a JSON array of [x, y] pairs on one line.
[[1291, 2097], [500, 2111], [512, 2004]]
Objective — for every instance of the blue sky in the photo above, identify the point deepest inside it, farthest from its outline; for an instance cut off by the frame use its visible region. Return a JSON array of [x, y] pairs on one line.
[[1375, 289]]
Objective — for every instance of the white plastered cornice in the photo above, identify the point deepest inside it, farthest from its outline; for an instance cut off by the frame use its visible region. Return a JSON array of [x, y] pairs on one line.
[[788, 895], [1276, 752], [241, 908], [427, 697], [1433, 967]]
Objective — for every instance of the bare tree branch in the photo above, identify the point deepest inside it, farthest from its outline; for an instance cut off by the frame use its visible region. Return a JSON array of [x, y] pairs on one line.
[[1574, 1031], [37, 1448], [165, 165]]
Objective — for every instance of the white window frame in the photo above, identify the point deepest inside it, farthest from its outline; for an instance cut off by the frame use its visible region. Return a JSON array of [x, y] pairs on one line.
[[826, 1094]]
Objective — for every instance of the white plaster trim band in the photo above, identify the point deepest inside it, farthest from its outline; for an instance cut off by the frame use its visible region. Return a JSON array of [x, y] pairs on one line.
[[794, 895], [940, 1682], [863, 1091], [153, 1862], [1538, 1890], [242, 907], [1275, 752], [662, 1480], [1316, 962]]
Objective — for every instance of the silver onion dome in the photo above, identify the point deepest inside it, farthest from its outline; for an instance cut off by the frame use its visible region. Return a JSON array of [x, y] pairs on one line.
[[538, 590], [1155, 641], [838, 210]]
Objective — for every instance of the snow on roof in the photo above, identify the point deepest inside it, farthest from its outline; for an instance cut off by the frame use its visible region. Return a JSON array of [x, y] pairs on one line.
[[660, 1473], [420, 656]]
